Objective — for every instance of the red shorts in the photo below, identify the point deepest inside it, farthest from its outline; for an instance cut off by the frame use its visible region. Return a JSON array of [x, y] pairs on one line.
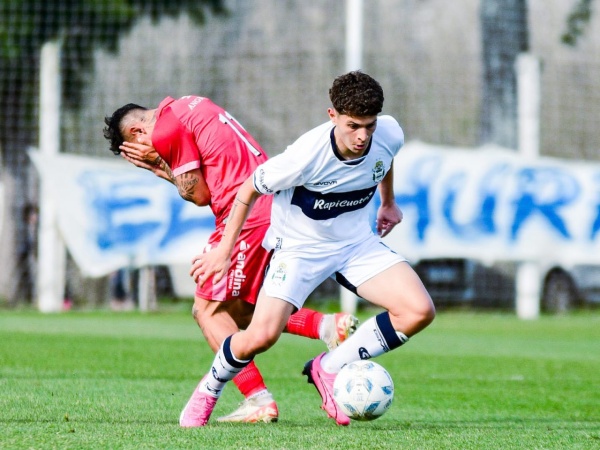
[[248, 263]]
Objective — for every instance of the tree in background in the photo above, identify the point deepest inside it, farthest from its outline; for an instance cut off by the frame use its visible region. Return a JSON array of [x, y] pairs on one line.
[[505, 34], [82, 26], [578, 19]]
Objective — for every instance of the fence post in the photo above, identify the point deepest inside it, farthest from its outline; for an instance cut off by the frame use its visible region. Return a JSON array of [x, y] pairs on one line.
[[354, 53], [51, 249], [528, 274]]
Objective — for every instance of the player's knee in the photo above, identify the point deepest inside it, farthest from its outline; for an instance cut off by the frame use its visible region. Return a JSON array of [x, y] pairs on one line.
[[201, 313], [263, 340], [427, 314], [423, 310], [413, 317]]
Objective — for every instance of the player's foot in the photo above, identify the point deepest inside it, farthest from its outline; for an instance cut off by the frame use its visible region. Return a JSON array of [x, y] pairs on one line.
[[260, 408], [323, 381], [336, 328], [198, 409]]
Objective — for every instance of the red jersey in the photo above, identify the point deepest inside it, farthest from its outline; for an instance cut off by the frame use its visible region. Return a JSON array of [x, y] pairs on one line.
[[193, 132]]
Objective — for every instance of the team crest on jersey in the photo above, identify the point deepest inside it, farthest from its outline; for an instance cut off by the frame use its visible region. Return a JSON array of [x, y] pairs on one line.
[[279, 275], [378, 171]]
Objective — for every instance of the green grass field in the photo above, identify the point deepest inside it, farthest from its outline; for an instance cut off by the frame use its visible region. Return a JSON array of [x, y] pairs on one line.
[[100, 380]]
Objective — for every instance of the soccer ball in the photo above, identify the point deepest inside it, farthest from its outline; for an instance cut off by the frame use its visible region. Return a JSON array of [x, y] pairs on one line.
[[363, 390]]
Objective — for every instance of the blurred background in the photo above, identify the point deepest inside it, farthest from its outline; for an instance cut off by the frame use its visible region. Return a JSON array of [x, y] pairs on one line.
[[448, 70]]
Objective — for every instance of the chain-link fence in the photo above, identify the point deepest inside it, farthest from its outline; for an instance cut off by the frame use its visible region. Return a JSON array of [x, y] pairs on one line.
[[270, 63]]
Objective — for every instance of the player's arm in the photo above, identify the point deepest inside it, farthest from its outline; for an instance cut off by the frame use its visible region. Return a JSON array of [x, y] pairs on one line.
[[389, 214], [217, 261], [192, 187]]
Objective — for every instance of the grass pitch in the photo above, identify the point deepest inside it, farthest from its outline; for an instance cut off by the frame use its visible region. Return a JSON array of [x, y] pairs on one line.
[[470, 381]]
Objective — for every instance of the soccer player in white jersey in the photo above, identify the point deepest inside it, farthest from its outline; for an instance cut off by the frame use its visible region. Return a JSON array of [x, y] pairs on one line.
[[200, 148], [320, 227]]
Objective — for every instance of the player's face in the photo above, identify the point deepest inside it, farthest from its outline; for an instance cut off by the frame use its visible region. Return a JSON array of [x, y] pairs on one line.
[[352, 134]]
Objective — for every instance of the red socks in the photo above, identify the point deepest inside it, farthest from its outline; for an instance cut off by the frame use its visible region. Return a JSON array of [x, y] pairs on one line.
[[305, 323]]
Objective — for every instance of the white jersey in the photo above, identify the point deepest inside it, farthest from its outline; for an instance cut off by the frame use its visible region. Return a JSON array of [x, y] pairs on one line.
[[320, 198]]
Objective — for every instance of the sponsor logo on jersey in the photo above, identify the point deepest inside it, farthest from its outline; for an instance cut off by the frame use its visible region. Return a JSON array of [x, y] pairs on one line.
[[320, 206], [325, 183], [378, 171], [237, 276], [323, 204]]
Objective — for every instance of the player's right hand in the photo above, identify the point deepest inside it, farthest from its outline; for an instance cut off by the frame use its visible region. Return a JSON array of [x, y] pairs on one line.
[[142, 151], [214, 263]]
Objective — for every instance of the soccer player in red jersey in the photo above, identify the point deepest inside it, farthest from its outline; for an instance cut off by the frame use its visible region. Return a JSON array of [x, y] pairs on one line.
[[201, 149]]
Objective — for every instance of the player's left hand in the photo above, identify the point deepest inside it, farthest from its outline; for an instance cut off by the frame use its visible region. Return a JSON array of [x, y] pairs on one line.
[[388, 216]]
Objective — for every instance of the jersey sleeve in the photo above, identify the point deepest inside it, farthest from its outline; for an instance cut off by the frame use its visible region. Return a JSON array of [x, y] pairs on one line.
[[185, 154], [175, 144], [391, 133], [283, 171]]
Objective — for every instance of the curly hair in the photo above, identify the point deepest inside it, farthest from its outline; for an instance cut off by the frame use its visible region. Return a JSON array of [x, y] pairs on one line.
[[112, 131], [356, 94]]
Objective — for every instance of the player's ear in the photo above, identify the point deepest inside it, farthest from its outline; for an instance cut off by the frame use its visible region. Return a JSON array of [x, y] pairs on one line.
[[136, 130], [332, 114]]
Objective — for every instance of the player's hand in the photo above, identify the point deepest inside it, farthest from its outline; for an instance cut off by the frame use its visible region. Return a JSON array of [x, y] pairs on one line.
[[141, 151], [388, 217], [138, 163], [214, 263]]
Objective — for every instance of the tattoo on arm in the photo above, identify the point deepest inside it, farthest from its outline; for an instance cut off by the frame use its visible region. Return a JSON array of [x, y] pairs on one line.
[[167, 170], [186, 185]]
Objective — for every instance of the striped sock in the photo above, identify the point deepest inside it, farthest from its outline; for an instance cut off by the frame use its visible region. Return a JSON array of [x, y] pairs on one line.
[[374, 337], [224, 368]]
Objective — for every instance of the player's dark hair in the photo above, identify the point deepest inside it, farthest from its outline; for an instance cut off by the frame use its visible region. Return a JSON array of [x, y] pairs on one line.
[[112, 131], [356, 94]]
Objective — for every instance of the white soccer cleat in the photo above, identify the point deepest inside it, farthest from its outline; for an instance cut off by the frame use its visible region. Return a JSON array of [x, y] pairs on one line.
[[260, 408], [336, 328]]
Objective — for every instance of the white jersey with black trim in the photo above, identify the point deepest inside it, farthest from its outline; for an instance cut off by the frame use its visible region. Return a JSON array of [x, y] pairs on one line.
[[320, 198]]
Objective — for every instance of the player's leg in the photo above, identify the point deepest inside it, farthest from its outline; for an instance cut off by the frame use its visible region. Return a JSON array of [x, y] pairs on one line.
[[330, 328], [237, 351], [230, 309], [218, 320], [386, 280], [289, 280], [400, 291], [333, 329], [395, 287], [270, 317]]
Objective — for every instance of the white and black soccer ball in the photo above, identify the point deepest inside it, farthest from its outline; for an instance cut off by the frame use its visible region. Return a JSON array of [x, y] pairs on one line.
[[363, 390]]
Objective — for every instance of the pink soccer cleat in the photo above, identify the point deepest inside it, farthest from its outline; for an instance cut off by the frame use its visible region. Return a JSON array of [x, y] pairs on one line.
[[323, 381], [198, 409]]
